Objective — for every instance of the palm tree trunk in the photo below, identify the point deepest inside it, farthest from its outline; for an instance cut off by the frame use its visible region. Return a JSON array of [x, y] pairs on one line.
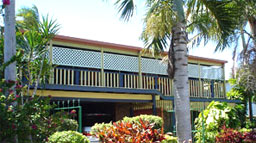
[[10, 45], [10, 40], [181, 88], [180, 75], [252, 23]]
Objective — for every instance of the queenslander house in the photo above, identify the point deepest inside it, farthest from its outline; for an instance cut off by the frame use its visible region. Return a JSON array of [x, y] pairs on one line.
[[104, 82]]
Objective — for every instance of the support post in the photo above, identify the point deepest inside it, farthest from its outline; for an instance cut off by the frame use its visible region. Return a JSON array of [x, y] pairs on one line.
[[140, 72], [200, 82], [154, 105], [77, 77], [80, 118], [121, 79], [156, 83], [102, 68], [131, 112], [224, 81], [212, 88], [51, 81]]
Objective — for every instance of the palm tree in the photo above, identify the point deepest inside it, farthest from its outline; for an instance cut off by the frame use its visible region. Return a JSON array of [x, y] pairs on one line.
[[165, 20], [10, 40]]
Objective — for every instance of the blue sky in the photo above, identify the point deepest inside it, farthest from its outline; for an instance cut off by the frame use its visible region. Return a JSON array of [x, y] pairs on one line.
[[99, 20]]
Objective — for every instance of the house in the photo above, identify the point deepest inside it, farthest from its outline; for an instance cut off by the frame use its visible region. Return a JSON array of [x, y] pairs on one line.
[[109, 81]]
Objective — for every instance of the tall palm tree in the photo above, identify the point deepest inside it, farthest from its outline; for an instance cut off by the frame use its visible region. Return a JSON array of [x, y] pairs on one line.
[[10, 40], [166, 22]]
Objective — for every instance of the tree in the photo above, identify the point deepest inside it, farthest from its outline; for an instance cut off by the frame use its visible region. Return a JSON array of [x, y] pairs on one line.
[[35, 40], [247, 57], [165, 20], [21, 118], [244, 87], [10, 39], [247, 17]]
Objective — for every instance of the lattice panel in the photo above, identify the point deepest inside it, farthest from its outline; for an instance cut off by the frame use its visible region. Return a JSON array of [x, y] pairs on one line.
[[74, 57], [211, 72], [121, 62], [153, 66], [193, 70]]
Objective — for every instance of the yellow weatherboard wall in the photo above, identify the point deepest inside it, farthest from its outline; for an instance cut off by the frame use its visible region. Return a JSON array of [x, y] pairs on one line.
[[94, 95]]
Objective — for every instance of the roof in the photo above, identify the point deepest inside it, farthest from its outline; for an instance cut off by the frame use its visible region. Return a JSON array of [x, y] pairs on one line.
[[63, 38]]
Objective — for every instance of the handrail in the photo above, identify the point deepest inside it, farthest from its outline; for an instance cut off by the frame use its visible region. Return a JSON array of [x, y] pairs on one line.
[[117, 79]]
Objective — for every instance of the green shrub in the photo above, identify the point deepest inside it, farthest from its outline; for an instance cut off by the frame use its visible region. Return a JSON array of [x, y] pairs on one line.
[[68, 137], [68, 124], [213, 118], [99, 127], [169, 139], [155, 120]]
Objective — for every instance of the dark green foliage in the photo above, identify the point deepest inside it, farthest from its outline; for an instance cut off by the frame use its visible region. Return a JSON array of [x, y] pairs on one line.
[[23, 117], [29, 117], [68, 124], [240, 92], [68, 137]]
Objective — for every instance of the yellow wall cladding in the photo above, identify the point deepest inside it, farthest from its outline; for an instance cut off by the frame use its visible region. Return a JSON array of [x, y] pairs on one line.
[[168, 105], [165, 104]]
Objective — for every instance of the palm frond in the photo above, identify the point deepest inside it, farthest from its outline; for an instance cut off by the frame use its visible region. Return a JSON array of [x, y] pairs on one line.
[[158, 24], [49, 27], [30, 18], [215, 20], [126, 8]]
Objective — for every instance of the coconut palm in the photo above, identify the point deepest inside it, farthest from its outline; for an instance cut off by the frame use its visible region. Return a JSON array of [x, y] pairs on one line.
[[165, 23]]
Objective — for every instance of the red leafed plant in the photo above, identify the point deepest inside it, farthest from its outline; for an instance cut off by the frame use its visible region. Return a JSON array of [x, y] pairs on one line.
[[124, 132], [250, 137], [229, 135]]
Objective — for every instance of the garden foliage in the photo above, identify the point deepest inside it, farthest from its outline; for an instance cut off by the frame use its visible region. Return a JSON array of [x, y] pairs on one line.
[[170, 139], [68, 137], [131, 132], [156, 121], [100, 127], [143, 128], [68, 124], [210, 121], [28, 118], [228, 135]]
